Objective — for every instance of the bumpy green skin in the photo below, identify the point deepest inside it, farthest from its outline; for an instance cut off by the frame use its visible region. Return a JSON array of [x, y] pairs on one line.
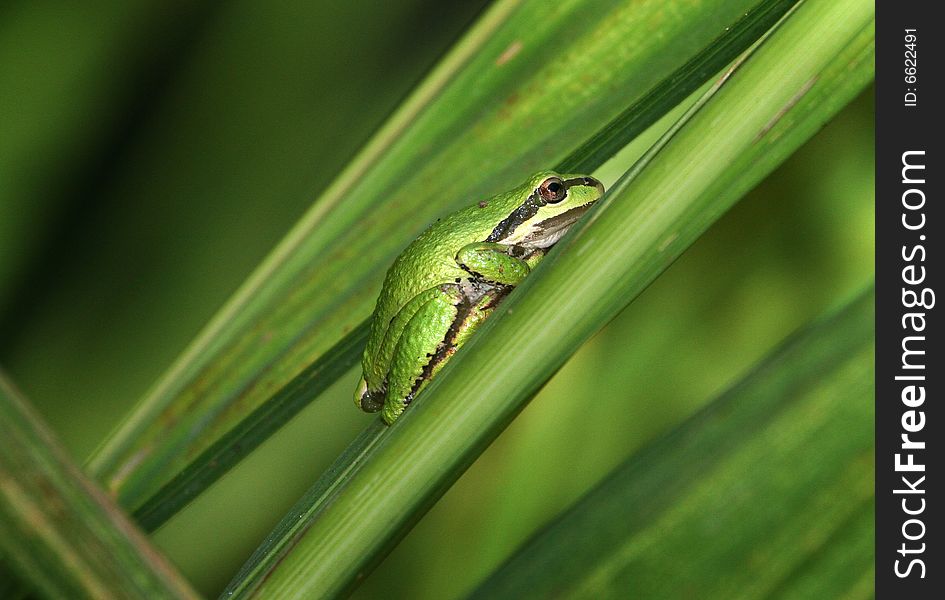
[[448, 281]]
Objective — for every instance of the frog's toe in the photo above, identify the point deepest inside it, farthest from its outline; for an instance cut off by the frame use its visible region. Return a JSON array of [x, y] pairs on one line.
[[367, 400], [392, 410], [360, 392]]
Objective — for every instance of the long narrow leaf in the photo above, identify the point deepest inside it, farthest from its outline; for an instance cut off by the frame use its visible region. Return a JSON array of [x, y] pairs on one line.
[[815, 63], [315, 378], [775, 475], [59, 530], [523, 88], [238, 442]]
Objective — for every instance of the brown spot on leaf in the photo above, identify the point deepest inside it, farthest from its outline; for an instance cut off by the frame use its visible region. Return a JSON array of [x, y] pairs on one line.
[[509, 53], [784, 109]]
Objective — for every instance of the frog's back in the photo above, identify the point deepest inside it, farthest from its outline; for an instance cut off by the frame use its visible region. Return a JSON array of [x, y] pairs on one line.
[[428, 261]]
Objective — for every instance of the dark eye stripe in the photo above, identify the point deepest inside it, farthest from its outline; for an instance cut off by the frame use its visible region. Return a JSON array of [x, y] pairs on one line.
[[530, 207], [526, 211]]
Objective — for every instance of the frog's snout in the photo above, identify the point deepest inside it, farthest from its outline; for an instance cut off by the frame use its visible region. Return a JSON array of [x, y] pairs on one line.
[[585, 181], [590, 181]]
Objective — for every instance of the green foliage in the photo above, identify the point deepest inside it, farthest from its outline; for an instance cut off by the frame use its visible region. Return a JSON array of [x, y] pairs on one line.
[[749, 122], [750, 480], [486, 89], [59, 530], [225, 160]]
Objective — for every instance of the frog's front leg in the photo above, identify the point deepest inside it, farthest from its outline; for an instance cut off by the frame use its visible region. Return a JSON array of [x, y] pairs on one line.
[[439, 328], [498, 263]]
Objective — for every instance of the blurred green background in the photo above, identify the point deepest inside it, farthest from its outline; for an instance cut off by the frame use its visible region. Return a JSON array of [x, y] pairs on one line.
[[151, 153]]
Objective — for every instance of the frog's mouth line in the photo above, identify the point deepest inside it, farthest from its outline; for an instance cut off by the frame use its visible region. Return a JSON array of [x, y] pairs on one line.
[[548, 232]]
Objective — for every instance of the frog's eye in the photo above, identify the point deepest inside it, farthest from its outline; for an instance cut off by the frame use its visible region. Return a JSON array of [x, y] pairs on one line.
[[552, 190]]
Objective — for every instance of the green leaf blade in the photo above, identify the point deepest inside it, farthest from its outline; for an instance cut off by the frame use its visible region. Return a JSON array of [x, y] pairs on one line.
[[644, 223], [481, 120], [59, 530], [775, 475]]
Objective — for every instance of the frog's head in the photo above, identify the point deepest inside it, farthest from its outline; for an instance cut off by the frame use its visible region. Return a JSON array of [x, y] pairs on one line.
[[552, 203]]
